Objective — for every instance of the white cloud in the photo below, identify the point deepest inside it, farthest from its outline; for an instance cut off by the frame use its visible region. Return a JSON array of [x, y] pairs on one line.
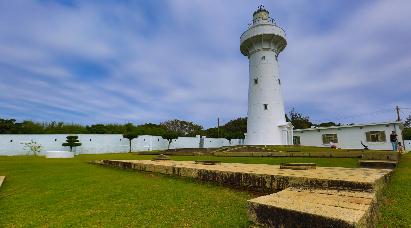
[[183, 61]]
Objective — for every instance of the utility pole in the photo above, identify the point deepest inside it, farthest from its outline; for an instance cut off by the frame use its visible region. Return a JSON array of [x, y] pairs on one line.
[[397, 108], [218, 127]]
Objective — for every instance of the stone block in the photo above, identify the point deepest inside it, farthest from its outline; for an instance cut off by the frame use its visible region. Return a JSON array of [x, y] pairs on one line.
[[379, 164], [2, 180], [314, 208], [298, 166]]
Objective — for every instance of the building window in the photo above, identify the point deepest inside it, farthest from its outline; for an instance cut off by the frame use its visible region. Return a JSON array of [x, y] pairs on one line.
[[265, 106], [327, 138], [90, 140], [11, 140], [263, 58], [55, 140], [296, 140], [279, 81], [255, 81], [375, 136]]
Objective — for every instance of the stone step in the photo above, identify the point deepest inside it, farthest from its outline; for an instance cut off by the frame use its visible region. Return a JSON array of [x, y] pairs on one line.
[[380, 164], [295, 207]]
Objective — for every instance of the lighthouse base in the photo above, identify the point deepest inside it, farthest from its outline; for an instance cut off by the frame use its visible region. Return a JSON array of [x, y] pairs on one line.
[[283, 135]]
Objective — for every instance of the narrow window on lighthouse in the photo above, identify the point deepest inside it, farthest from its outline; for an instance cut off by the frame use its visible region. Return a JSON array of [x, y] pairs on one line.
[[265, 106], [263, 58], [255, 81], [279, 81]]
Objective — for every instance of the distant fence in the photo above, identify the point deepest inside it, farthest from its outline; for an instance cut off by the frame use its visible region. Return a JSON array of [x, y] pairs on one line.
[[13, 144]]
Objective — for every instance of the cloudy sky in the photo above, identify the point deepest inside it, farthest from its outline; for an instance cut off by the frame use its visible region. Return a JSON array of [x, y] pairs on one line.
[[112, 61]]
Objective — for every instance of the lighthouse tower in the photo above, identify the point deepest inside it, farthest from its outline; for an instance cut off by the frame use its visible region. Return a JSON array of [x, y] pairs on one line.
[[262, 43]]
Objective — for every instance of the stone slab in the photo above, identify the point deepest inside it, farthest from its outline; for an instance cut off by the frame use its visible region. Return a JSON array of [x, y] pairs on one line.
[[263, 177], [314, 208], [2, 179], [59, 154], [381, 164], [298, 166]]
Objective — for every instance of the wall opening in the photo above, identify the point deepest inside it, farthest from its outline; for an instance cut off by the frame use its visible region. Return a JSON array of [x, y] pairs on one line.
[[263, 57], [265, 106], [255, 81], [328, 138], [375, 136]]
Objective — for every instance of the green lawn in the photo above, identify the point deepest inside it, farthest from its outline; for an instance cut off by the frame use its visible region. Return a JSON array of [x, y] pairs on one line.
[[70, 192], [396, 208]]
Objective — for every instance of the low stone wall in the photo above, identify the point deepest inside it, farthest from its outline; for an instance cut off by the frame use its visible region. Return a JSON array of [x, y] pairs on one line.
[[261, 177]]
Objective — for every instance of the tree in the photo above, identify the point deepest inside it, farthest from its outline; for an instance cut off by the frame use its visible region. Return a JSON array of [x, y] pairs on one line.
[[298, 120], [328, 124], [236, 128], [72, 141], [170, 135], [406, 133], [181, 127], [7, 126], [130, 136], [407, 122], [32, 147]]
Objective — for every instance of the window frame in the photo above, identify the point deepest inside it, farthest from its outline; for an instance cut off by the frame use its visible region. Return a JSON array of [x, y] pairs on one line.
[[370, 136], [326, 138]]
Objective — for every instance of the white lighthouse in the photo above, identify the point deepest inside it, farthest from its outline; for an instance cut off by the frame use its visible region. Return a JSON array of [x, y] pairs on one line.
[[262, 43]]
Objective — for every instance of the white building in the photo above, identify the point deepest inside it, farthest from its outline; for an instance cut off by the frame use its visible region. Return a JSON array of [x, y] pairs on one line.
[[374, 135], [262, 43]]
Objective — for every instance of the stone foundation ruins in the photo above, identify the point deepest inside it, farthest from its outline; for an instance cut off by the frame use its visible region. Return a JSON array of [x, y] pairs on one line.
[[331, 196]]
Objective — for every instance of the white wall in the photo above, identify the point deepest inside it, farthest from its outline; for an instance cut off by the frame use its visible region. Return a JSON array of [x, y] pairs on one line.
[[91, 143], [11, 144], [215, 142], [407, 144], [349, 137], [185, 142]]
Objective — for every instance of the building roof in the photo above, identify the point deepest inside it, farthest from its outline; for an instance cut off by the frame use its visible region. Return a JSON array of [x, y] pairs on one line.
[[349, 126]]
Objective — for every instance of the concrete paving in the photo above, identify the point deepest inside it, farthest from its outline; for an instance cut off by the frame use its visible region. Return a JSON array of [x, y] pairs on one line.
[[315, 208]]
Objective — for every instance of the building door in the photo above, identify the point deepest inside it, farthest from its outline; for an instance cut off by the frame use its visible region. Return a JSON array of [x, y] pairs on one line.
[[284, 138]]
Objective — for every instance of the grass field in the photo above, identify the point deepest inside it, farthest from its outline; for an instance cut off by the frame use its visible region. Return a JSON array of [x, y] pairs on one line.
[[70, 192], [396, 207]]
